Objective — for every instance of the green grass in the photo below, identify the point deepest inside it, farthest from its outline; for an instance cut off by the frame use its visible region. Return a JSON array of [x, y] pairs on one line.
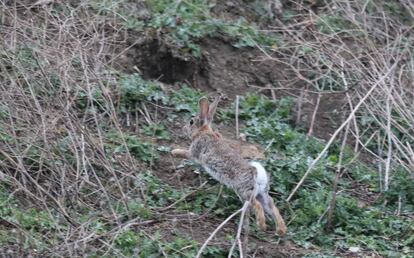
[[373, 228], [268, 123], [185, 23], [101, 168], [37, 228], [189, 21]]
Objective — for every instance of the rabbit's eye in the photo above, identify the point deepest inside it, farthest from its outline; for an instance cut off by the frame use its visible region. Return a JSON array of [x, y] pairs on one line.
[[191, 121]]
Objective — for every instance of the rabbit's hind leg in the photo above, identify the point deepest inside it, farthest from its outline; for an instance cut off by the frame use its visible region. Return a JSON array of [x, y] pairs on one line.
[[260, 216], [280, 223]]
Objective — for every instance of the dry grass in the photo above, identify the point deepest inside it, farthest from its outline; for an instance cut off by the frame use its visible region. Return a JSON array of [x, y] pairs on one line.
[[53, 153], [364, 57], [52, 55]]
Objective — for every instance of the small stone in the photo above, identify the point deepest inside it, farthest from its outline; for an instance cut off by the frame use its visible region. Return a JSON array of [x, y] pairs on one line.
[[354, 249], [242, 137]]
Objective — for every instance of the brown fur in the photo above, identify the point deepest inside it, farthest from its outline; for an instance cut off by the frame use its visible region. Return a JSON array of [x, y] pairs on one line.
[[260, 216], [280, 223]]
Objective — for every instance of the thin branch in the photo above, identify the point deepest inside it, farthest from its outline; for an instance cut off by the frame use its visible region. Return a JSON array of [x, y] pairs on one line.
[[200, 252], [239, 229], [331, 140]]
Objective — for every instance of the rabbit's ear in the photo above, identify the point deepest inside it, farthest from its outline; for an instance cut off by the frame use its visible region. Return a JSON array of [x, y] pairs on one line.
[[203, 106], [212, 109]]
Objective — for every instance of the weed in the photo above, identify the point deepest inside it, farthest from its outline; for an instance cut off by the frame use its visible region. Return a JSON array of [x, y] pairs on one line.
[[128, 14], [331, 24], [26, 57], [84, 99], [127, 241], [140, 244], [402, 190], [267, 122], [329, 83], [4, 112], [139, 210], [39, 227], [183, 99], [399, 11], [158, 131], [134, 89], [120, 143], [221, 203], [158, 193], [188, 21], [4, 136]]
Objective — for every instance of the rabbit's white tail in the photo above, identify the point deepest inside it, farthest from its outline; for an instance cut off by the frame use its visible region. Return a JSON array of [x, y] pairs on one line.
[[262, 180], [264, 203], [260, 191]]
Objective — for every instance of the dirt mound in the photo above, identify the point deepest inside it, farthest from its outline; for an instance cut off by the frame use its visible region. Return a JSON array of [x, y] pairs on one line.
[[233, 71], [236, 71], [222, 67], [154, 60]]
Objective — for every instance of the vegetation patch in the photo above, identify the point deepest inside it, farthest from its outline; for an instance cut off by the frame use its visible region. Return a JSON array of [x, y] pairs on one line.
[[187, 22], [371, 227], [85, 164]]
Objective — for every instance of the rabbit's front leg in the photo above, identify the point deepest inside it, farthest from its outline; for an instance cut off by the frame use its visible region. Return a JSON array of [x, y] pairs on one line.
[[181, 153]]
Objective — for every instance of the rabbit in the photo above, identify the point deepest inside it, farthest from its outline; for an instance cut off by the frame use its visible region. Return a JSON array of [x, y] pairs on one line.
[[249, 180]]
